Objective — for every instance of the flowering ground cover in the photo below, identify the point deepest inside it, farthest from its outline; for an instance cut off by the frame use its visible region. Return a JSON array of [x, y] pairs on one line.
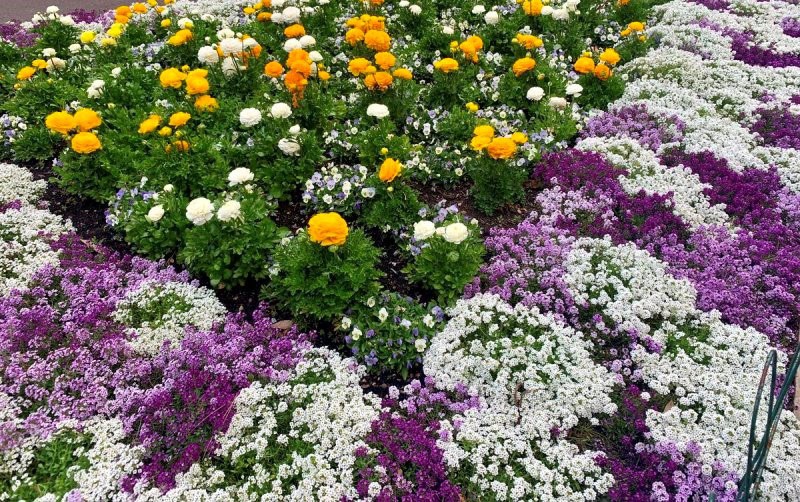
[[530, 251]]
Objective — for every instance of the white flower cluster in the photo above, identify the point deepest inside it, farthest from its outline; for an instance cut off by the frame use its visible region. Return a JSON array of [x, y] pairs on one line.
[[645, 172], [535, 375], [25, 236], [296, 438], [17, 183], [708, 368], [176, 305], [454, 233]]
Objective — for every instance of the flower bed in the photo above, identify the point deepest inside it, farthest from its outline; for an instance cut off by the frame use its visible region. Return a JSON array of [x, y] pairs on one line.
[[583, 316]]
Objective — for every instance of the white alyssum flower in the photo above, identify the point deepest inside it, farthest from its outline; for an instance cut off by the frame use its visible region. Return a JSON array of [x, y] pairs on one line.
[[240, 175], [200, 211], [179, 305], [378, 110], [250, 117], [231, 210], [17, 183]]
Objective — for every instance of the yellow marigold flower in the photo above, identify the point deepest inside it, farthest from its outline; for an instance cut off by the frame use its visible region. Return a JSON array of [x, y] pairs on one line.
[[377, 40], [602, 71], [476, 41], [389, 170], [264, 16], [181, 37], [479, 142], [179, 146], [323, 75], [60, 122], [39, 64], [165, 131], [584, 65], [519, 138], [273, 69], [172, 77], [108, 41], [206, 103], [87, 37], [328, 229], [532, 7], [523, 65], [358, 66], [196, 85], [294, 31], [85, 143], [385, 60], [472, 107], [610, 56], [200, 72], [636, 26], [166, 23], [249, 10], [179, 119], [87, 119], [139, 8], [485, 131], [501, 148], [25, 72], [446, 65], [528, 41], [403, 74], [354, 36], [150, 124], [115, 31]]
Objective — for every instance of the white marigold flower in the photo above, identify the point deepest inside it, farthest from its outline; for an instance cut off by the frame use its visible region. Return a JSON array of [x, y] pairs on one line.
[[208, 55], [424, 229], [280, 111], [230, 211], [535, 94], [492, 17], [478, 9], [240, 175], [557, 102], [456, 233], [231, 46], [155, 213], [200, 211], [415, 10], [250, 117], [290, 15], [574, 90], [378, 110], [289, 146]]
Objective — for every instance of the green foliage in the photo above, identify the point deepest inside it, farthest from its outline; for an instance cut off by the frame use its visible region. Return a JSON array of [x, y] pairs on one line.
[[319, 283], [390, 333], [496, 183], [394, 205], [446, 267]]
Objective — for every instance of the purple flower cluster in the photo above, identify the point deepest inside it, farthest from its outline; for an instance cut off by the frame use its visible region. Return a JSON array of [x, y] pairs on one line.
[[636, 122], [64, 356], [777, 127], [405, 459], [745, 50], [791, 26]]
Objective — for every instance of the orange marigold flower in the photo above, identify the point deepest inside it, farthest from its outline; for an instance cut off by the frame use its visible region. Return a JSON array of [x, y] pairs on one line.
[[354, 36], [523, 65], [150, 124], [480, 142], [380, 80], [528, 41], [294, 31], [446, 65], [485, 131], [390, 169], [358, 66], [501, 148], [610, 56], [25, 72], [273, 69], [328, 229], [403, 74], [584, 65], [377, 40], [532, 7], [60, 122], [206, 103], [385, 60], [172, 77], [196, 85], [602, 71], [85, 143], [87, 119], [179, 119], [180, 38]]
